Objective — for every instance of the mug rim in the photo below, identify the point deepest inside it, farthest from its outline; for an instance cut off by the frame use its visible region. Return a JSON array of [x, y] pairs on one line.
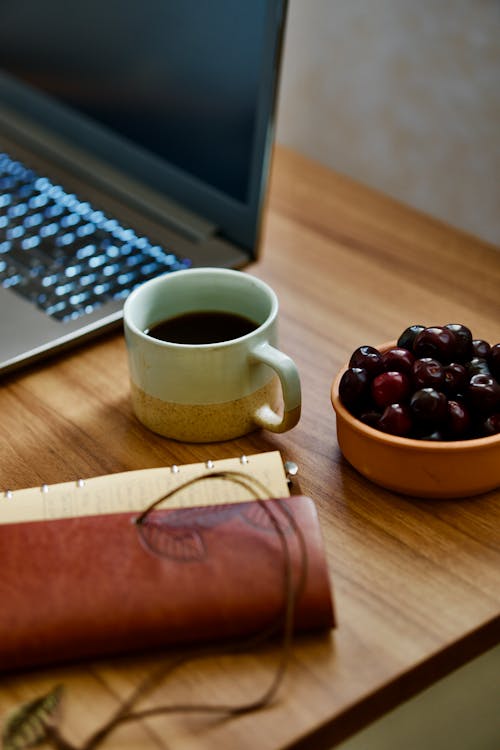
[[202, 271]]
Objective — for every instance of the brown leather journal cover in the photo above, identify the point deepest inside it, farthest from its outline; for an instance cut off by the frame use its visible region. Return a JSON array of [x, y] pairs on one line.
[[89, 586]]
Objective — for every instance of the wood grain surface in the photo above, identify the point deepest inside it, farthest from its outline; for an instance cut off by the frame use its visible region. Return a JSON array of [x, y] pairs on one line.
[[416, 583]]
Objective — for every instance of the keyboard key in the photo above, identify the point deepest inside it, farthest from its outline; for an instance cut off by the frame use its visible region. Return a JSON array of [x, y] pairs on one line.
[[54, 210], [57, 309], [89, 278], [12, 280], [70, 220], [64, 289], [79, 297], [49, 230], [49, 281], [71, 271], [97, 260], [38, 201], [86, 252], [33, 220], [16, 210], [15, 233], [84, 230], [103, 288], [29, 242]]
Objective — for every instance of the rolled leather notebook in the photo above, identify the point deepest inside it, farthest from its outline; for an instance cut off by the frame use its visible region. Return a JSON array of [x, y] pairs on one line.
[[99, 585]]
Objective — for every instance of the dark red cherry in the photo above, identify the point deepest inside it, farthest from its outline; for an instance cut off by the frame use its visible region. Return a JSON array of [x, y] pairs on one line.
[[494, 361], [429, 407], [484, 394], [457, 420], [455, 378], [407, 338], [492, 424], [369, 358], [428, 373], [398, 359], [437, 342], [390, 388], [463, 341], [354, 388], [396, 420], [480, 348], [370, 418], [478, 366]]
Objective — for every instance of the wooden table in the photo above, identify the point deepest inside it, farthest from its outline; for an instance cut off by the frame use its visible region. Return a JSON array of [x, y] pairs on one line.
[[416, 583]]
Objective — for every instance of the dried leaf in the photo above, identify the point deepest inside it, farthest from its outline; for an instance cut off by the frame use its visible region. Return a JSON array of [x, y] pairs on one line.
[[27, 726]]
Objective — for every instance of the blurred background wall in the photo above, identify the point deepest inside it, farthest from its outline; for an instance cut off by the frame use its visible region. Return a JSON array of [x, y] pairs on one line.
[[403, 96]]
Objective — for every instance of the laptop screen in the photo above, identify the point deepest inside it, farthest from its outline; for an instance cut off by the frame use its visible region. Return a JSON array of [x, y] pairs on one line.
[[179, 94]]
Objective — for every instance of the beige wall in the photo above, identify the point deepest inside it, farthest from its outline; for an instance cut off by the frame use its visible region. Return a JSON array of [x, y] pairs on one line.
[[403, 95]]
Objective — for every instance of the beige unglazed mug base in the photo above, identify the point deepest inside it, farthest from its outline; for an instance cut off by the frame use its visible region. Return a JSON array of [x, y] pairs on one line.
[[204, 423]]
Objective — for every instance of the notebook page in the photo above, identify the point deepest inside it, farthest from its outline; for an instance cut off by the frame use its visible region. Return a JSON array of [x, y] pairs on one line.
[[135, 490]]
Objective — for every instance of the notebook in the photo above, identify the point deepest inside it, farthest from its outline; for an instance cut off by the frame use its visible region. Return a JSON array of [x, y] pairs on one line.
[[135, 140], [83, 576]]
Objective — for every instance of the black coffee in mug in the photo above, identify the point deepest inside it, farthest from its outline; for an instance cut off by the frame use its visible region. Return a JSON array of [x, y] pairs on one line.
[[202, 327]]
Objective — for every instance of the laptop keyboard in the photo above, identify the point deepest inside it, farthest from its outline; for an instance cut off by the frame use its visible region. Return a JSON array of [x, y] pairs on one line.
[[62, 254]]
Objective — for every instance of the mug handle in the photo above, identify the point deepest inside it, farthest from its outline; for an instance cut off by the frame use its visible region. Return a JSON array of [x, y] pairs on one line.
[[288, 374]]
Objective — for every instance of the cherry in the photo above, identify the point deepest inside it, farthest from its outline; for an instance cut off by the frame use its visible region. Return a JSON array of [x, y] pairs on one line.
[[494, 360], [484, 393], [455, 378], [429, 407], [437, 342], [368, 358], [478, 366], [463, 341], [428, 373], [396, 420], [398, 359], [390, 388], [480, 348], [354, 388], [370, 418], [457, 420], [407, 338], [492, 424]]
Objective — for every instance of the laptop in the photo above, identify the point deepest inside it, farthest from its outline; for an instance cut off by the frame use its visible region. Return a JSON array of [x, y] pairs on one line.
[[135, 140]]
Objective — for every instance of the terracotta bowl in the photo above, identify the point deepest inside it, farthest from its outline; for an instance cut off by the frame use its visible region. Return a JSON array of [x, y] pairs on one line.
[[421, 468]]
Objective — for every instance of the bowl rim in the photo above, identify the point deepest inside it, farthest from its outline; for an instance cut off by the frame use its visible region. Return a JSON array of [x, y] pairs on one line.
[[430, 446]]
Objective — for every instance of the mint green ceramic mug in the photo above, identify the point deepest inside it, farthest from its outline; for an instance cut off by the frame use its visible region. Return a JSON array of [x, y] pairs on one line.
[[188, 387]]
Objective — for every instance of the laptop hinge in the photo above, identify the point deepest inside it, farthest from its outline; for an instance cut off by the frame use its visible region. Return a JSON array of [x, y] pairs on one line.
[[158, 207]]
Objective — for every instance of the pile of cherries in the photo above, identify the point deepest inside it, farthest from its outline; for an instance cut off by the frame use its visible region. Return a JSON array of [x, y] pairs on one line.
[[437, 383]]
